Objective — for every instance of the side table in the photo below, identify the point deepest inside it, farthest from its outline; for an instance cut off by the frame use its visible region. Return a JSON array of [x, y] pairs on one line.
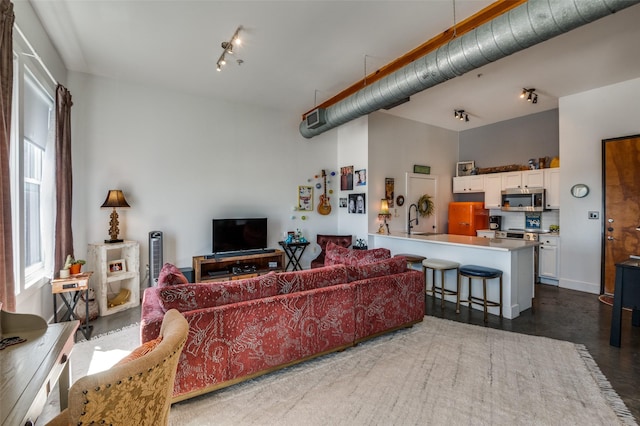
[[626, 294], [294, 252], [70, 290]]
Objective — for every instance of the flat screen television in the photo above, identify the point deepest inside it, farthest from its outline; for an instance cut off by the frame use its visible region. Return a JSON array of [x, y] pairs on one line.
[[236, 235]]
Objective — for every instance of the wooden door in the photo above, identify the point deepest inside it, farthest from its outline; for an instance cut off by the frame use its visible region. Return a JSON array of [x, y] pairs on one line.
[[621, 187]]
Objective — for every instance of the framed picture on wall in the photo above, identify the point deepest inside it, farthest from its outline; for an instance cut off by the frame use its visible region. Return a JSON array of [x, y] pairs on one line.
[[361, 177], [346, 178], [357, 203], [343, 202], [389, 189], [465, 168], [305, 198]]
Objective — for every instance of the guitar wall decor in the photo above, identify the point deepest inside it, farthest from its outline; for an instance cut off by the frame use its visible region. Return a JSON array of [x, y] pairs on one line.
[[324, 207]]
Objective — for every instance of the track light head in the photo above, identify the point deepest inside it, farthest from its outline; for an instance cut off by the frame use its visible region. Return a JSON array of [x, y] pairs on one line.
[[530, 94], [227, 48], [460, 115]]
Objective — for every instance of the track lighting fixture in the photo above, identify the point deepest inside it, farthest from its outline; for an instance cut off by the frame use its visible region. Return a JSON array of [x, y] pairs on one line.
[[460, 115], [530, 94], [227, 48]]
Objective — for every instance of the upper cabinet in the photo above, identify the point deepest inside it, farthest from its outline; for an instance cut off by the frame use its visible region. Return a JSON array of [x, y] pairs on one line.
[[467, 184], [533, 178], [494, 183], [552, 186], [511, 180], [493, 191], [524, 179]]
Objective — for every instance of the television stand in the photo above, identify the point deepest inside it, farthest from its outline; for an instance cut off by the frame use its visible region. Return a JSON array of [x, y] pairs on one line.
[[230, 266]]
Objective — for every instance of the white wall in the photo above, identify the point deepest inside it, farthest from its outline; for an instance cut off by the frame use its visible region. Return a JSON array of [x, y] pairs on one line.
[[395, 146], [352, 151], [585, 120], [183, 160]]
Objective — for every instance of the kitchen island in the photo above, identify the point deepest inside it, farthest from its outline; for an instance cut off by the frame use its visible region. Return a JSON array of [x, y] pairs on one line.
[[515, 258]]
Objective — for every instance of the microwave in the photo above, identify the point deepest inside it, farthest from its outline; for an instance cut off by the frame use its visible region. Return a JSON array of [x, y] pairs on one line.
[[523, 200]]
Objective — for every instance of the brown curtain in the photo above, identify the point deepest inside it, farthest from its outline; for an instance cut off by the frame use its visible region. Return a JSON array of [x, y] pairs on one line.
[[64, 181], [7, 285]]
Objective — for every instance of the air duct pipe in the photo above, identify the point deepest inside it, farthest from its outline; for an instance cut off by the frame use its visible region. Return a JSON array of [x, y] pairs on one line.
[[522, 27]]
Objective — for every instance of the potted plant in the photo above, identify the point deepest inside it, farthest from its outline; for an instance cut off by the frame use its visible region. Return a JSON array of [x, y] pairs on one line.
[[73, 265]]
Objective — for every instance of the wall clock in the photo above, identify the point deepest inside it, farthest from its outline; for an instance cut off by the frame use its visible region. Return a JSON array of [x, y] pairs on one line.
[[399, 200], [579, 190]]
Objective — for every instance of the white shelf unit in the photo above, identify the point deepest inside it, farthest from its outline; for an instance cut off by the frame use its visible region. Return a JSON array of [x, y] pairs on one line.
[[106, 285]]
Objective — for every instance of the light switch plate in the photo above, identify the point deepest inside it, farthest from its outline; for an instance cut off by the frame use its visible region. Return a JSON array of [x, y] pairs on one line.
[[594, 215]]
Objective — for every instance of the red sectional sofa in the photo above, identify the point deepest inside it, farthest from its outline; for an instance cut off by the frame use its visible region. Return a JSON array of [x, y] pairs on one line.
[[242, 329]]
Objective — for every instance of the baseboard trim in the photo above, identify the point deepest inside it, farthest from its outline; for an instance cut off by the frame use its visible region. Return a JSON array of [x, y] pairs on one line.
[[579, 286]]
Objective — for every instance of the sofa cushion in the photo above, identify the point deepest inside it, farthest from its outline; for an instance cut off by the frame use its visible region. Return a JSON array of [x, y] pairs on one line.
[[189, 297], [170, 275], [336, 255], [394, 265], [309, 279]]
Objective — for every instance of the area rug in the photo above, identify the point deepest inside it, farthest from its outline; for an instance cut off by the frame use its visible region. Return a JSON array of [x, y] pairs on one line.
[[608, 300], [437, 372]]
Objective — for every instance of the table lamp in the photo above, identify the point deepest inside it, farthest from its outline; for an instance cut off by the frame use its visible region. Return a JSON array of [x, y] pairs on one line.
[[115, 198], [384, 214]]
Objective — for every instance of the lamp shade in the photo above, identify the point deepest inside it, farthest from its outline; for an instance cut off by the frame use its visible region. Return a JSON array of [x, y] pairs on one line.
[[115, 198], [384, 206]]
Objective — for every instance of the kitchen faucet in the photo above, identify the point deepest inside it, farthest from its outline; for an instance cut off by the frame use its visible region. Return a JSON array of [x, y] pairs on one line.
[[409, 220]]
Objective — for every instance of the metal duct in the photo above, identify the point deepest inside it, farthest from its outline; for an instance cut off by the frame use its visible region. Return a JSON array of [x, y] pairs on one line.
[[522, 27]]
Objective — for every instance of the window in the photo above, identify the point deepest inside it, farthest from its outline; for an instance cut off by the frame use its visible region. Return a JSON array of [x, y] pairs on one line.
[[32, 136]]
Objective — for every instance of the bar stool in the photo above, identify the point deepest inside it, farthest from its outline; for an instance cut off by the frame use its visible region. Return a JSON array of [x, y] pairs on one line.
[[441, 265], [479, 272], [412, 259]]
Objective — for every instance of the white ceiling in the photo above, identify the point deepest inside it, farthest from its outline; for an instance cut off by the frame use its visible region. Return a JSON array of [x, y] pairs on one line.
[[298, 53]]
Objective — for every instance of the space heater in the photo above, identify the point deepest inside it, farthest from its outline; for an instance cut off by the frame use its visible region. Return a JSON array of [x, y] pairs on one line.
[[155, 257]]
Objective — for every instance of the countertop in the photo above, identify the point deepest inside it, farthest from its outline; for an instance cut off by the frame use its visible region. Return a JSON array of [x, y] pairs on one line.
[[463, 240]]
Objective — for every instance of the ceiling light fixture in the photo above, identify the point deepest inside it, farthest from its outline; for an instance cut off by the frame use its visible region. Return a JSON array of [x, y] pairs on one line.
[[227, 48], [530, 94], [460, 115]]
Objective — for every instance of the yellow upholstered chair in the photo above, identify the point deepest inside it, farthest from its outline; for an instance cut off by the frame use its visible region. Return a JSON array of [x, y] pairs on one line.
[[137, 390]]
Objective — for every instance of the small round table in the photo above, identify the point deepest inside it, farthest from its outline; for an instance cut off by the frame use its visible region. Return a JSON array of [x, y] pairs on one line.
[[294, 252]]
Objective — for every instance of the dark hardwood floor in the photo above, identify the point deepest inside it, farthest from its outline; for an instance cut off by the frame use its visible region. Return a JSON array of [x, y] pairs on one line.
[[557, 313]]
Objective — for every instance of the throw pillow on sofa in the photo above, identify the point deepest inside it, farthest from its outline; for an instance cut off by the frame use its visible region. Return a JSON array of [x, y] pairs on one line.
[[170, 275], [392, 266], [336, 255]]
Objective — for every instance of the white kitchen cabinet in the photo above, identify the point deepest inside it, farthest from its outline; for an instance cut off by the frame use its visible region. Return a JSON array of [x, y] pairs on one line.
[[552, 187], [116, 267], [548, 261], [523, 179], [468, 184], [493, 191], [533, 178], [511, 180]]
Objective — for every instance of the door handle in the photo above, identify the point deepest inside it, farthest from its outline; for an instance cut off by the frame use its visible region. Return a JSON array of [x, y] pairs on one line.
[[610, 238]]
